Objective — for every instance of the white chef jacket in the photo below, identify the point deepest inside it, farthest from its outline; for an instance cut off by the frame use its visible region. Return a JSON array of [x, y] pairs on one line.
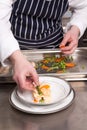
[[8, 43]]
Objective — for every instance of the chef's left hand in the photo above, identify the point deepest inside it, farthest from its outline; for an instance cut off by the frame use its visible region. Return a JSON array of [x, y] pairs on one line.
[[71, 37]]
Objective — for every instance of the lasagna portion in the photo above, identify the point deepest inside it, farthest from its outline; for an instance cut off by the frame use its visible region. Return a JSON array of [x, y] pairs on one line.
[[42, 94]]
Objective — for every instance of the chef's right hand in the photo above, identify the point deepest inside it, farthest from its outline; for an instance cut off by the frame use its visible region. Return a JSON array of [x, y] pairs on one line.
[[22, 69]]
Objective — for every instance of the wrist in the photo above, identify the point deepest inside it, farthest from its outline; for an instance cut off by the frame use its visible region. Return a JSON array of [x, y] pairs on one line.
[[16, 56], [75, 30]]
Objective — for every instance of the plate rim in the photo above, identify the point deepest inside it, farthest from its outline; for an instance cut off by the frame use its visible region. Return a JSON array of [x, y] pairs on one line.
[[45, 104], [48, 112]]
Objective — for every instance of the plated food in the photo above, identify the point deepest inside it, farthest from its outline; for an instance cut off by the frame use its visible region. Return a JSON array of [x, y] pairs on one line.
[[38, 109], [50, 91], [42, 94]]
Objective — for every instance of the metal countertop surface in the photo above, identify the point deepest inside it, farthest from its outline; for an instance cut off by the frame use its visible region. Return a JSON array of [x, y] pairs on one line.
[[72, 118]]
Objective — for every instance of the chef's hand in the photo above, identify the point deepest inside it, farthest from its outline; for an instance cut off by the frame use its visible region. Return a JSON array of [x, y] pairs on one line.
[[71, 37], [23, 69]]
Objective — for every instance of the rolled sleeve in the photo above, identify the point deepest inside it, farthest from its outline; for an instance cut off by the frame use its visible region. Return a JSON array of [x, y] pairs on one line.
[[79, 15], [8, 43]]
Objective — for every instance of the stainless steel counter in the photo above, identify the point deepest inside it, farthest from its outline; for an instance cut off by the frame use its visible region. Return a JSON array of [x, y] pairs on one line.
[[73, 118]]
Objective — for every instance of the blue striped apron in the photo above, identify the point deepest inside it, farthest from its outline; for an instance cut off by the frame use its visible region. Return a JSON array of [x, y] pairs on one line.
[[37, 23]]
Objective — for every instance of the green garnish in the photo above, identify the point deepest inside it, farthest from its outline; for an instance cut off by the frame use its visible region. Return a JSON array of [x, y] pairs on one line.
[[39, 91], [41, 100], [58, 65]]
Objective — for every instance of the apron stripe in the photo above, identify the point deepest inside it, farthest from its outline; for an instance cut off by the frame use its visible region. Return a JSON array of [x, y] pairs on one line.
[[56, 34], [38, 22], [51, 44], [52, 9], [55, 14]]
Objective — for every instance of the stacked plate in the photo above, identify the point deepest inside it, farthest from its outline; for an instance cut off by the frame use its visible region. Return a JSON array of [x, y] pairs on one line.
[[62, 96]]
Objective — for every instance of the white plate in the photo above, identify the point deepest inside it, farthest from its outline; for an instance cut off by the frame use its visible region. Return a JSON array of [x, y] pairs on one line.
[[60, 89], [16, 103]]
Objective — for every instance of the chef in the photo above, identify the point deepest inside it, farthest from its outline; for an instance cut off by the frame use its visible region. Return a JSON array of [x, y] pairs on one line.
[[37, 24]]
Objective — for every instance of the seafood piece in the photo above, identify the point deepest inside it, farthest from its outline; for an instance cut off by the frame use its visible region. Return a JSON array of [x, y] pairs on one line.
[[42, 94]]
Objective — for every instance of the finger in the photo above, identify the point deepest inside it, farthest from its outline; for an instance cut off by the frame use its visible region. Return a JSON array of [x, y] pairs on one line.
[[25, 84], [15, 79], [69, 47], [64, 41], [35, 76], [18, 83], [70, 51]]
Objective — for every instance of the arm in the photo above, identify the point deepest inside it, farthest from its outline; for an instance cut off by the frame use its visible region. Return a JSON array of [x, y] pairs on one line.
[[22, 69], [8, 44], [76, 27], [9, 49]]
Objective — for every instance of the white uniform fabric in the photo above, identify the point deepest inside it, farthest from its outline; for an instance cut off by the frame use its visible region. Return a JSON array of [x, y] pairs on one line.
[[8, 44]]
